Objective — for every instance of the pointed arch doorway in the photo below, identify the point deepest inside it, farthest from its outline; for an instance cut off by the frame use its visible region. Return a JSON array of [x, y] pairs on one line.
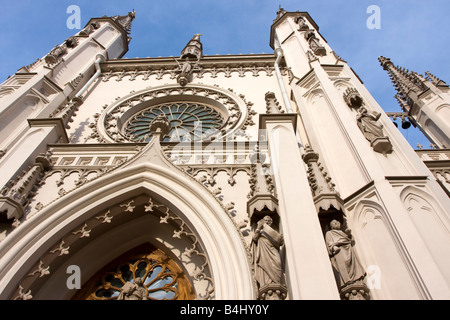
[[148, 204]]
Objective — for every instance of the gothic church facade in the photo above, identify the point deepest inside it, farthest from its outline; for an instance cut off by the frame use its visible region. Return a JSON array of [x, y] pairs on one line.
[[262, 176]]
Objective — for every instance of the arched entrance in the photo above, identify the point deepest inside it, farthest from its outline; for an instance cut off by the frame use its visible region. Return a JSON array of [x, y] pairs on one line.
[[143, 204]]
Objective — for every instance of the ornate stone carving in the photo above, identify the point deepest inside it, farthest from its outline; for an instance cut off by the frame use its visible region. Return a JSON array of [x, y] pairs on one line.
[[108, 127], [71, 42], [435, 80], [56, 54], [281, 12], [160, 125], [59, 51], [75, 82], [193, 49], [272, 104], [322, 187], [15, 198], [302, 25], [314, 43], [133, 291], [311, 56], [201, 274], [348, 270], [201, 69], [90, 28], [183, 230], [267, 264], [24, 295], [353, 98], [373, 131], [262, 196]]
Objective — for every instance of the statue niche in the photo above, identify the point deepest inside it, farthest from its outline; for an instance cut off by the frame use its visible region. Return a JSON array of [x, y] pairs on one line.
[[302, 26], [368, 122], [267, 263], [314, 43], [194, 49], [373, 131], [348, 271]]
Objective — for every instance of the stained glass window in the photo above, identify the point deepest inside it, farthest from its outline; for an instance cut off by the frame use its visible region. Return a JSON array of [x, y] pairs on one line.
[[189, 121], [151, 276]]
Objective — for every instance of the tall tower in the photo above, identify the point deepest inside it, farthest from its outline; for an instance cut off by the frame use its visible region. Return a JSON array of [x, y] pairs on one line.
[[425, 99], [380, 186], [37, 103]]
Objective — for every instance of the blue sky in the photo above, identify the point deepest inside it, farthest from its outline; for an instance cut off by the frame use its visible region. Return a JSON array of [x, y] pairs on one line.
[[414, 34]]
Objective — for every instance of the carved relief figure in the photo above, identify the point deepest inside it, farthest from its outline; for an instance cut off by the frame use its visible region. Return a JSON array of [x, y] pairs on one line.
[[314, 43], [266, 253], [185, 70], [56, 53], [133, 291], [367, 122], [302, 26], [373, 131], [343, 257]]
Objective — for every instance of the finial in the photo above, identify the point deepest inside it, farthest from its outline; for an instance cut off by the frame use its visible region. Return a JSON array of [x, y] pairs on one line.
[[384, 61]]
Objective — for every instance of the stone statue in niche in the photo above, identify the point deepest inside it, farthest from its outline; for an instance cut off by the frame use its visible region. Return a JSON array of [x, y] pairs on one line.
[[71, 42], [60, 50], [348, 270], [372, 130], [266, 244], [353, 98], [314, 43], [56, 53], [368, 124], [133, 291], [302, 26], [185, 71], [89, 28]]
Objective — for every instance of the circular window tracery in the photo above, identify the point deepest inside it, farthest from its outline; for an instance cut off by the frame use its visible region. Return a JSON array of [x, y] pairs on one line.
[[151, 276], [235, 112], [189, 121]]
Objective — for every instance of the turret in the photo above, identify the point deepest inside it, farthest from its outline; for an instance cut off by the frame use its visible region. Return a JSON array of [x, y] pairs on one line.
[[37, 103], [424, 99]]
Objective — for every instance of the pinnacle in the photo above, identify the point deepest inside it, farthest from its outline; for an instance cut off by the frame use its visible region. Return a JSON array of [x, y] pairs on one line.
[[126, 20], [384, 62]]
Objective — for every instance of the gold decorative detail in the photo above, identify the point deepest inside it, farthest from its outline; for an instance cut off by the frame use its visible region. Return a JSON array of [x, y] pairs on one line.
[[145, 273]]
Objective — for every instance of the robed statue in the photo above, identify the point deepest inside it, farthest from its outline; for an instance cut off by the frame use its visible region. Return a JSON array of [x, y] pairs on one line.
[[133, 291], [343, 257], [266, 245], [368, 124]]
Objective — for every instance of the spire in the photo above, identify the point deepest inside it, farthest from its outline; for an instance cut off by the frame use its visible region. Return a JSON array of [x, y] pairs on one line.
[[194, 48], [280, 13], [435, 80], [407, 83], [125, 21]]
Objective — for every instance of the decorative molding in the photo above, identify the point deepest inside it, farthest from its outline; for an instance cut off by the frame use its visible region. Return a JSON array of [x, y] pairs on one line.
[[228, 70], [106, 127], [201, 274], [272, 104], [322, 187]]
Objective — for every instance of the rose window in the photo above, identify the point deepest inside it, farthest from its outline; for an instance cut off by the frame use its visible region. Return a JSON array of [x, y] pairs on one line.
[[144, 277], [189, 121]]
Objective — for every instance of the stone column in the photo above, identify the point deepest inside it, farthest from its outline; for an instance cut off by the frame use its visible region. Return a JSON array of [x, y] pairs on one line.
[[308, 270]]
